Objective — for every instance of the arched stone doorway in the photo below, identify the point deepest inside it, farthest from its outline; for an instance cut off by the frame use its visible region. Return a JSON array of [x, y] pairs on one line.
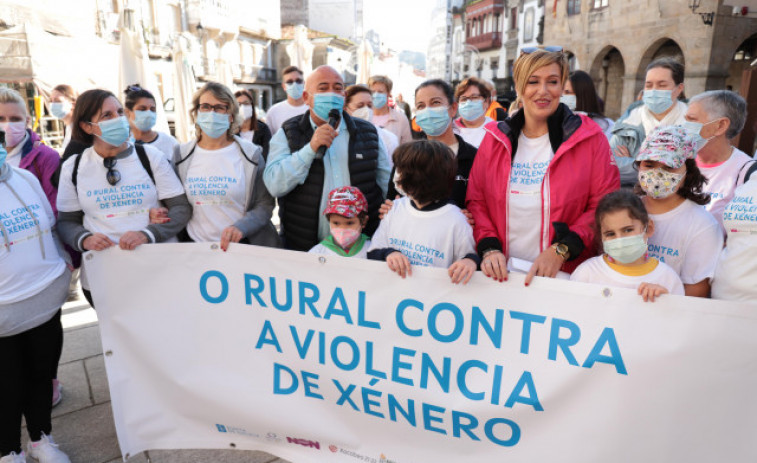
[[745, 54], [608, 70], [661, 48]]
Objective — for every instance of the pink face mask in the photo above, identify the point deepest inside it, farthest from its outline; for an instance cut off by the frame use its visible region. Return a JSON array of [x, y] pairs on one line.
[[345, 237], [14, 132]]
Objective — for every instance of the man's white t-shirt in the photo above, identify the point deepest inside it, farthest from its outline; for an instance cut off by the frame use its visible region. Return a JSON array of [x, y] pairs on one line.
[[217, 190], [736, 274], [723, 180], [436, 238], [164, 143], [524, 216], [29, 258], [596, 270], [114, 210], [472, 135], [688, 239], [280, 112]]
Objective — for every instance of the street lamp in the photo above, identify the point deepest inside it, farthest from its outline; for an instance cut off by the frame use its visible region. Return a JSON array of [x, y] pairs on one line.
[[707, 18]]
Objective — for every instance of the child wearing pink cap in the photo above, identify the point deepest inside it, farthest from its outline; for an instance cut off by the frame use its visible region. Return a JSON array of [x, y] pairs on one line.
[[687, 237], [347, 212]]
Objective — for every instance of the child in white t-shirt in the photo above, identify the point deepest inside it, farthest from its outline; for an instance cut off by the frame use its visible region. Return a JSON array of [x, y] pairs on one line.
[[422, 228], [347, 211], [624, 228]]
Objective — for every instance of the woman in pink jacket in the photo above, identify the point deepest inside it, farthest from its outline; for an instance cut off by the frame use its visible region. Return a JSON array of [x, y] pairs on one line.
[[538, 176]]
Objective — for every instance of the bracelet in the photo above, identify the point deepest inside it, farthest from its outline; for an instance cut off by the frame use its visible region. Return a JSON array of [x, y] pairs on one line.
[[489, 251]]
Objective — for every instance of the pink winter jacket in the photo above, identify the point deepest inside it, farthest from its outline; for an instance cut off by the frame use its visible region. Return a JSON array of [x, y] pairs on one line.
[[580, 174], [42, 161]]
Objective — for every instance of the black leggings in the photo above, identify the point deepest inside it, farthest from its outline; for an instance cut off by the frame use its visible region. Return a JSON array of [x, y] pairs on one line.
[[27, 364]]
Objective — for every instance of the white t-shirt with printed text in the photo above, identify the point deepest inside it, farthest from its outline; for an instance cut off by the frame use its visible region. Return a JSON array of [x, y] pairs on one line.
[[28, 263], [216, 189], [597, 271], [280, 112], [115, 209], [435, 238], [524, 216], [723, 179], [736, 273], [688, 239]]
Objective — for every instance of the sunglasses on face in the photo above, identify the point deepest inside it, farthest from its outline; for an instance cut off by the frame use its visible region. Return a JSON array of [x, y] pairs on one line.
[[549, 48], [112, 176]]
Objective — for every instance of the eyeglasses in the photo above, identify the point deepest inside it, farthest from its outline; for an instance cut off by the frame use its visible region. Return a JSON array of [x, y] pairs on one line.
[[465, 99], [113, 176], [549, 48], [290, 81], [219, 108]]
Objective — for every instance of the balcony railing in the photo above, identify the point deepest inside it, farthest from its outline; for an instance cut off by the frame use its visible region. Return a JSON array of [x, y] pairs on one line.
[[486, 41]]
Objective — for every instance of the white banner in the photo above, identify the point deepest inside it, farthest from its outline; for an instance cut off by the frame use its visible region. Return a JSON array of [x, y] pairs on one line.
[[329, 359]]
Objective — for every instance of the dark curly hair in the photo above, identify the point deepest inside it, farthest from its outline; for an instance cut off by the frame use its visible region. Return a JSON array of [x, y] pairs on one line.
[[691, 185], [426, 169]]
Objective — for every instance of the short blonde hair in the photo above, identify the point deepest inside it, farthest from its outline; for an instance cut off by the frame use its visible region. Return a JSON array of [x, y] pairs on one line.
[[8, 95], [224, 95], [387, 82], [528, 63]]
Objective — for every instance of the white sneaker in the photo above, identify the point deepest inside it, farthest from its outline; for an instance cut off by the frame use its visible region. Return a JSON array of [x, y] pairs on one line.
[[46, 450], [14, 458]]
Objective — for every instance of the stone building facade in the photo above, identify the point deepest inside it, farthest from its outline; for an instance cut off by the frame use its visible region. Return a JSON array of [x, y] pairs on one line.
[[615, 40]]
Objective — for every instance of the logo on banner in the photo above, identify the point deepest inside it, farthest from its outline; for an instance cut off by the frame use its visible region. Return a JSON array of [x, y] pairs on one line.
[[304, 442], [235, 430]]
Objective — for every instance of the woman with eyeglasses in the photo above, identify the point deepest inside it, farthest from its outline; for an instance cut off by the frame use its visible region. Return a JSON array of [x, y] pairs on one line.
[[538, 176], [252, 129], [106, 192], [473, 97], [141, 110], [222, 174]]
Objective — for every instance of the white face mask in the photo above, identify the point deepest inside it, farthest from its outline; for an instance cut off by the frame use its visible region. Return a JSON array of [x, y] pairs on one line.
[[245, 110], [658, 183], [397, 185], [364, 113]]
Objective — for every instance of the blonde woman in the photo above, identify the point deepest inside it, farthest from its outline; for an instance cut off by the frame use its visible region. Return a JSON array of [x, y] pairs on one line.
[[538, 176], [222, 175]]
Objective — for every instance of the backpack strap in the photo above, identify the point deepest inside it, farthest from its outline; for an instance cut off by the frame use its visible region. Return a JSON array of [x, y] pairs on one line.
[[75, 172], [144, 160], [187, 156], [752, 169], [250, 160]]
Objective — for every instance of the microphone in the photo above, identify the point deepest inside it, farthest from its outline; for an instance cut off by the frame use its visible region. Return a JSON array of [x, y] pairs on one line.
[[334, 117]]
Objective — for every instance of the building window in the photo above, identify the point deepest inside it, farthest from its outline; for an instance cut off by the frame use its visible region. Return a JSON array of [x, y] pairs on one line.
[[597, 4], [574, 7], [513, 18]]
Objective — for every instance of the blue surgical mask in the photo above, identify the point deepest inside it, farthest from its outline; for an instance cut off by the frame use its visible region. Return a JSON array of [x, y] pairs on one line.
[[569, 101], [325, 102], [433, 121], [626, 250], [3, 155], [379, 100], [694, 129], [213, 124], [294, 90], [658, 101], [60, 109], [145, 120], [471, 110], [114, 131]]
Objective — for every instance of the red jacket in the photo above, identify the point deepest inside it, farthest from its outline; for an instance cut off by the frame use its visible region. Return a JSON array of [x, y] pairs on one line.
[[580, 174]]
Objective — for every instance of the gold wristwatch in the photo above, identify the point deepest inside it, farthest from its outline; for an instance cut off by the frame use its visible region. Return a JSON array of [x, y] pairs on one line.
[[561, 250]]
